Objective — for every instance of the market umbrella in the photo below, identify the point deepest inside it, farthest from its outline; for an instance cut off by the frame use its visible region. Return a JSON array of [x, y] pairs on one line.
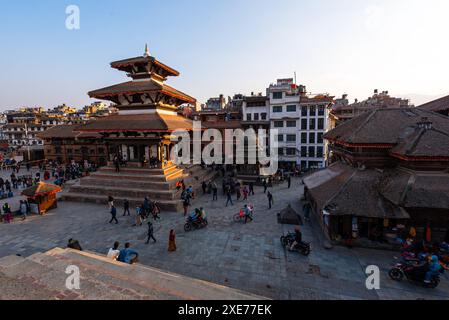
[[41, 188]]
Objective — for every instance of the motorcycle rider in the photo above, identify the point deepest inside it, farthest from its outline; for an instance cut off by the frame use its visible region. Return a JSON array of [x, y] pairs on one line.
[[203, 214], [247, 212], [434, 269], [298, 239]]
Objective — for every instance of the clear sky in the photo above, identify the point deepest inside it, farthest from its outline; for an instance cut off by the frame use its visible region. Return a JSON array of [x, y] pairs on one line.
[[225, 46]]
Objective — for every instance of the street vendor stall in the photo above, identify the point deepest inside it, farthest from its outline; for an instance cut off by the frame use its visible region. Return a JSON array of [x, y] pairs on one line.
[[42, 197]]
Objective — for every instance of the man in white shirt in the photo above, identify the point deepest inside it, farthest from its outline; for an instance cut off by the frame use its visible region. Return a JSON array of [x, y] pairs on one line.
[[114, 252]]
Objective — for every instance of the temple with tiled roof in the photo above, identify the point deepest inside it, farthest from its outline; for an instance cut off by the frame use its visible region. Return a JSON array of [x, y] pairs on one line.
[[140, 135], [140, 132], [389, 172]]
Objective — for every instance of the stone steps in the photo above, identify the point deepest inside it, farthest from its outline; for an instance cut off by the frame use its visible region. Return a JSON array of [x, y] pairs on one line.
[[112, 181], [135, 184], [166, 205], [124, 192], [43, 276], [130, 177], [150, 172]]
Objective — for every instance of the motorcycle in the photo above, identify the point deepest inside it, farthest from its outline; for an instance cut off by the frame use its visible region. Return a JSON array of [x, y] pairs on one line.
[[303, 247], [193, 224], [413, 273], [239, 217]]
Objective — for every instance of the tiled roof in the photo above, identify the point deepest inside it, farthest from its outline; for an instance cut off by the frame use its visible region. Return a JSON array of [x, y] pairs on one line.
[[132, 87], [384, 126], [436, 105], [423, 143], [66, 131], [353, 193], [411, 189], [139, 122], [143, 60]]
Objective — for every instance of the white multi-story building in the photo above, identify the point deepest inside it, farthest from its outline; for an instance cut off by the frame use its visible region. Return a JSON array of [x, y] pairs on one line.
[[300, 121]]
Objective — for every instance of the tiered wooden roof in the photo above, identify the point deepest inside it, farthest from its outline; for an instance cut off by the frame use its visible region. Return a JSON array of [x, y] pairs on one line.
[[154, 122], [141, 87], [146, 104]]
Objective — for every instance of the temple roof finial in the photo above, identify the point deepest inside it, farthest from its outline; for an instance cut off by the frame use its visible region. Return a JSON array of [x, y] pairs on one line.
[[147, 51]]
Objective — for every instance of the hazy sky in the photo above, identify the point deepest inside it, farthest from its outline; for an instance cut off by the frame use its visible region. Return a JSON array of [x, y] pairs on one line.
[[225, 46]]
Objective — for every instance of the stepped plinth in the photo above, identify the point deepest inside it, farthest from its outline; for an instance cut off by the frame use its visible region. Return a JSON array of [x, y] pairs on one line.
[[134, 184]]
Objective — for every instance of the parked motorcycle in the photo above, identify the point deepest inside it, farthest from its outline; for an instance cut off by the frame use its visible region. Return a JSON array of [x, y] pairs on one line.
[[193, 224], [413, 273], [303, 247]]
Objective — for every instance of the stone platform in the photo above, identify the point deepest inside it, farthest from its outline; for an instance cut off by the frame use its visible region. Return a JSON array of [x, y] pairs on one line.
[[135, 184], [42, 276]]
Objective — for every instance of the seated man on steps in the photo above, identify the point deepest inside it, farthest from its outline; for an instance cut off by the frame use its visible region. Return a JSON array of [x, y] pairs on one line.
[[128, 255]]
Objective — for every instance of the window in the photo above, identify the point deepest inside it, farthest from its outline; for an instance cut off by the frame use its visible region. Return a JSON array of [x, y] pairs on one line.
[[280, 151], [321, 110], [320, 137], [312, 111], [304, 124], [312, 137], [263, 116], [277, 109], [69, 151], [291, 151], [100, 150], [312, 124], [248, 117], [256, 117], [311, 152], [304, 152], [291, 138], [320, 123], [277, 95], [58, 150], [304, 137], [280, 137], [304, 111], [291, 124], [291, 108], [279, 124], [319, 152]]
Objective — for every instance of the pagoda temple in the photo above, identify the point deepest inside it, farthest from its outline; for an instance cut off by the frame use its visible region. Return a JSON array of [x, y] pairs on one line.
[[140, 132]]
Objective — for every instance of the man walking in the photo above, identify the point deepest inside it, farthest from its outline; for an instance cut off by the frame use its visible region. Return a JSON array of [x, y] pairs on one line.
[[150, 233], [114, 215], [126, 207], [117, 163], [186, 204], [270, 199], [229, 196], [265, 186], [214, 192], [251, 188], [289, 181]]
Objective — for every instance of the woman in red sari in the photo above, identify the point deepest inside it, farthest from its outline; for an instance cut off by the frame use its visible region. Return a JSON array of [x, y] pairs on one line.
[[172, 241]]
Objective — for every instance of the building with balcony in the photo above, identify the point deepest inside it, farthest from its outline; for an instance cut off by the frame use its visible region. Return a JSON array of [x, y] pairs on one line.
[[301, 121]]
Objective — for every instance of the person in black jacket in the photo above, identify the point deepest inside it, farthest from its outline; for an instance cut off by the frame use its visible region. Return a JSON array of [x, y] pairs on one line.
[[150, 233], [126, 207]]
